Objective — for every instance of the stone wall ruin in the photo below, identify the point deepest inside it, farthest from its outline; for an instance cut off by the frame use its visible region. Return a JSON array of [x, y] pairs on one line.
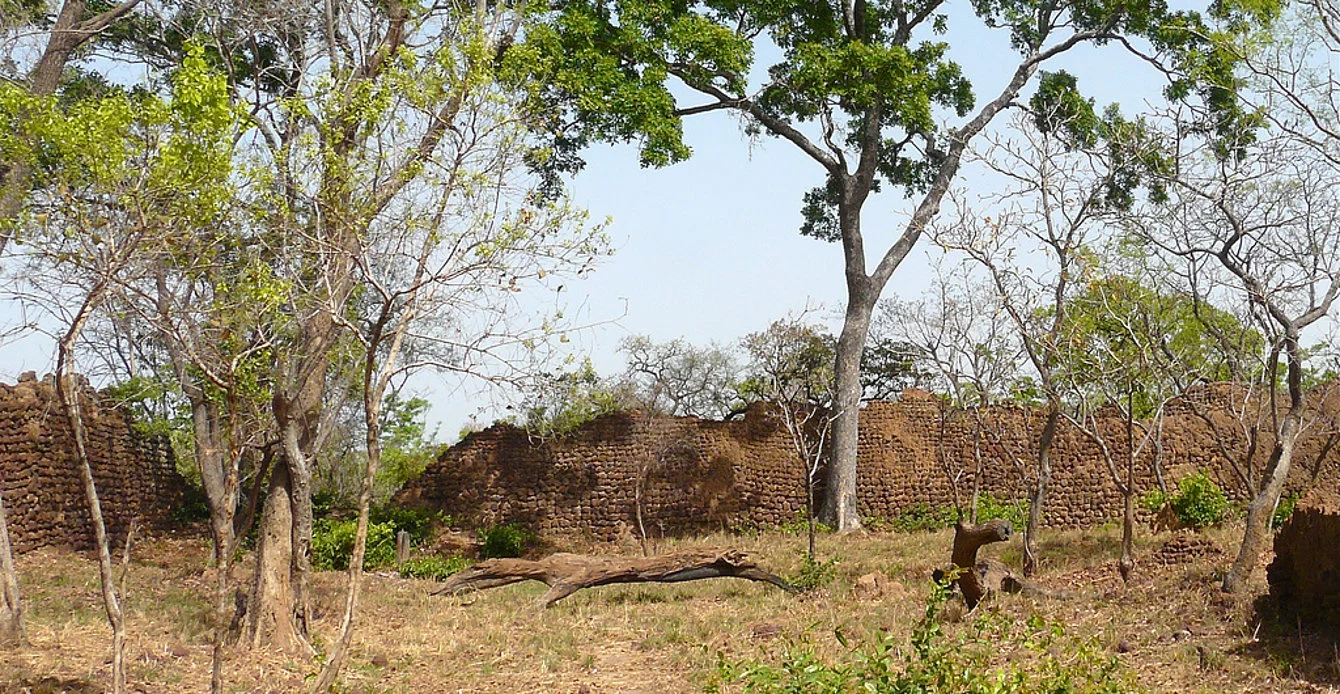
[[136, 475], [626, 474]]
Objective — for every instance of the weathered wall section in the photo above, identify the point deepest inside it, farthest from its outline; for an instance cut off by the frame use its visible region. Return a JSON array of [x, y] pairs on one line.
[[1305, 575], [44, 499], [688, 474]]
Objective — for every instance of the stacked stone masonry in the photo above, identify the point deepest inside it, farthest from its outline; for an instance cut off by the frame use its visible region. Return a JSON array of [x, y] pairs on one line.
[[135, 475], [628, 473], [1305, 574]]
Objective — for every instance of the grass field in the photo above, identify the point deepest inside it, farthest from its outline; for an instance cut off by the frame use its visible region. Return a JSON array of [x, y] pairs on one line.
[[1171, 629]]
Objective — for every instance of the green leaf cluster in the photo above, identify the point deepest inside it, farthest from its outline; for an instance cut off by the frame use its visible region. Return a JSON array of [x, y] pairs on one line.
[[1041, 658]]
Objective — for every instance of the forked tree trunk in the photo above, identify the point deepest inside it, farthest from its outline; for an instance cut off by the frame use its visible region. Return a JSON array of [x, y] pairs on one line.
[[972, 579], [11, 607]]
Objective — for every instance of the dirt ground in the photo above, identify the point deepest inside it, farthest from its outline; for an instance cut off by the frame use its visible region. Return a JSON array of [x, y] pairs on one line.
[[1171, 627]]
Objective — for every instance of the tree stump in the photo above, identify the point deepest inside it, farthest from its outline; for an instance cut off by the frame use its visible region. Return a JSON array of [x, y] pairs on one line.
[[566, 574], [977, 579]]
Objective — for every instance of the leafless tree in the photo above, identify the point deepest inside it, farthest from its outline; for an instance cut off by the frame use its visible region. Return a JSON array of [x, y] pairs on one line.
[[964, 335], [681, 380], [1264, 221]]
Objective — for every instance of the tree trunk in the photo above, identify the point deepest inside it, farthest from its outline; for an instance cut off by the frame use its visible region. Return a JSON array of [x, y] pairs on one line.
[[11, 607], [840, 507], [270, 608], [69, 397], [566, 574], [967, 540], [1262, 507], [372, 398], [1040, 489]]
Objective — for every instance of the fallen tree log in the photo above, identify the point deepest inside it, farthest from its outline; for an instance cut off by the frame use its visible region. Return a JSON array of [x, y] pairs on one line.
[[566, 574]]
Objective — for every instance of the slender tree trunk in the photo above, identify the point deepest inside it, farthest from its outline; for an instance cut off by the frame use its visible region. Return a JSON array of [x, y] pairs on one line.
[[1040, 489], [11, 607], [1262, 507], [69, 397], [840, 503], [340, 651], [1127, 563]]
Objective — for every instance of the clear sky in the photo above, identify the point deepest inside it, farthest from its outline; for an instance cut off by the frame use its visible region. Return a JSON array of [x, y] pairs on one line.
[[709, 249]]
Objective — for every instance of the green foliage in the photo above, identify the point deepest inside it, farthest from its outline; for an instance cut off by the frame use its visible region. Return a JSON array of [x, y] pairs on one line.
[[565, 401], [193, 508], [1154, 501], [1038, 657], [813, 574], [990, 508], [800, 525], [1199, 502], [433, 567], [876, 78], [503, 541], [333, 544], [1158, 339], [921, 517], [408, 447], [333, 538], [1284, 510], [418, 522]]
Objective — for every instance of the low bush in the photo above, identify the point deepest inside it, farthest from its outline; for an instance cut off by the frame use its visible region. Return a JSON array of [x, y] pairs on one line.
[[418, 522], [995, 654], [1199, 502], [433, 567], [503, 541], [333, 544], [1284, 510], [799, 525], [922, 517], [813, 574], [990, 508]]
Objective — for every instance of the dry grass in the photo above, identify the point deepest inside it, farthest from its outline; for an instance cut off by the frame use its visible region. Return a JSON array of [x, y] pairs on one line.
[[1171, 626]]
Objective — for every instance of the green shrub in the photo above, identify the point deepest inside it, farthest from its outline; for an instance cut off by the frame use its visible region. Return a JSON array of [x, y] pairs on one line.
[[433, 567], [1154, 501], [921, 517], [799, 525], [813, 574], [1199, 502], [990, 508], [1285, 509], [1040, 658], [503, 541], [418, 522], [194, 507], [333, 544]]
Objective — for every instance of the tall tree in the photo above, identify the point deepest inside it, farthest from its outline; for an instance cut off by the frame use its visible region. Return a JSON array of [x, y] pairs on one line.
[[1260, 227], [859, 88]]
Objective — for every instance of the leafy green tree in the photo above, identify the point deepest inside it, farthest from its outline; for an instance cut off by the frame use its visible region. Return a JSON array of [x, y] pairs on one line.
[[859, 87]]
